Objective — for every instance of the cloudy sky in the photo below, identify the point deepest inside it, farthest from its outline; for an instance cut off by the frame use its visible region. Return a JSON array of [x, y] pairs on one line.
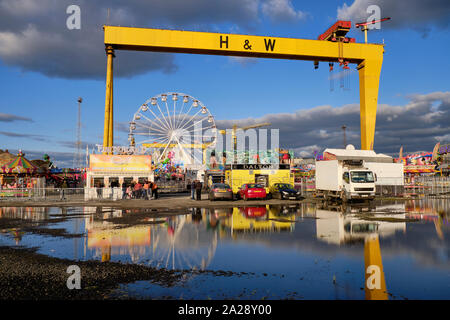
[[45, 67]]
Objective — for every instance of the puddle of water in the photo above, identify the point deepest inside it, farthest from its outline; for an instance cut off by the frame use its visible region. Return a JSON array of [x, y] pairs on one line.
[[273, 252]]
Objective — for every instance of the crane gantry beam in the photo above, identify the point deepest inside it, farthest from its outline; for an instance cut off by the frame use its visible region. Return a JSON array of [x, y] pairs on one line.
[[368, 57]]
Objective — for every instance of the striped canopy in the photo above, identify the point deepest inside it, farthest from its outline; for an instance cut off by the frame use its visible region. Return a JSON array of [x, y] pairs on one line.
[[19, 165]]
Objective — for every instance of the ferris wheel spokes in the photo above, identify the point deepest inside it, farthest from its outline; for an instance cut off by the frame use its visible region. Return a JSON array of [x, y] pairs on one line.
[[148, 127], [194, 124], [186, 114], [191, 118], [168, 114], [166, 127]]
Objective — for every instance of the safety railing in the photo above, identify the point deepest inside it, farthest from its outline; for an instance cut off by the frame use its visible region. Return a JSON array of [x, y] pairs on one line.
[[427, 185], [42, 194], [306, 185], [172, 186]]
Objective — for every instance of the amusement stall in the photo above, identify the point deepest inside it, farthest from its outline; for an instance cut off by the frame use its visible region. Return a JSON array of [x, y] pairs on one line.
[[107, 174], [19, 176], [418, 165]]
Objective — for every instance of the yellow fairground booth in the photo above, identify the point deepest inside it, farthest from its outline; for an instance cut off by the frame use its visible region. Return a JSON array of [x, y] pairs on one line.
[[107, 173], [265, 174]]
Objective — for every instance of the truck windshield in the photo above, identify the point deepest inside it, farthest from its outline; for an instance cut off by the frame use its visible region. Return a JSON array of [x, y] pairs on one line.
[[362, 176]]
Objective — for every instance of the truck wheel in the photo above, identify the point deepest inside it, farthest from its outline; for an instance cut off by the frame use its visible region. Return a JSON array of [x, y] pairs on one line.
[[325, 196]]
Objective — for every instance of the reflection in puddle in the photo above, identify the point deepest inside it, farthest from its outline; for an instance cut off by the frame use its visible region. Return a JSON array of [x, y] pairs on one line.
[[175, 242], [24, 213], [318, 252], [340, 226]]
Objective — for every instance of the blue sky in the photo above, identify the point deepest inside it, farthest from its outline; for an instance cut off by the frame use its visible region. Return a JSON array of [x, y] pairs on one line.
[[415, 71]]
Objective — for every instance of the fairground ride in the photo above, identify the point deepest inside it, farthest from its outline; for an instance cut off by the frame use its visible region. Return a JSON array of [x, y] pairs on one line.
[[173, 125]]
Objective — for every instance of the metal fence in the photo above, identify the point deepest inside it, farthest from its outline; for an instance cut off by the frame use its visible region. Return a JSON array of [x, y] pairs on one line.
[[306, 185], [428, 185], [50, 194], [171, 186], [425, 185]]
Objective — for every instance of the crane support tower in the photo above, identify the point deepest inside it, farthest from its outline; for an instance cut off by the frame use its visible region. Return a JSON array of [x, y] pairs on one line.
[[367, 57]]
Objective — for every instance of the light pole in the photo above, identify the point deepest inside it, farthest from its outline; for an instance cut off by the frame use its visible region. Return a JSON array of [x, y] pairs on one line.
[[78, 154], [345, 138]]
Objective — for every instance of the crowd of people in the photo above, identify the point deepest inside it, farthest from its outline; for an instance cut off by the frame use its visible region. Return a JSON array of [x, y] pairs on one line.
[[147, 190]]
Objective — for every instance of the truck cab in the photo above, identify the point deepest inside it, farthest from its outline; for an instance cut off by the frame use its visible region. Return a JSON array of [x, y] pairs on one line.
[[358, 184]]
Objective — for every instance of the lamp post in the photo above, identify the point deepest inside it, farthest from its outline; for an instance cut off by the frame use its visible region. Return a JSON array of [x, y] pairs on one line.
[[345, 138], [78, 154]]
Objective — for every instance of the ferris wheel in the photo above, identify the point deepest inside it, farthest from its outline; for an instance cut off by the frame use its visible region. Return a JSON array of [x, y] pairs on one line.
[[173, 122]]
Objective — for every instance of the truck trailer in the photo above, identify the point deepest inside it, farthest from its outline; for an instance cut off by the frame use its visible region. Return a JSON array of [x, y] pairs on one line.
[[389, 177]]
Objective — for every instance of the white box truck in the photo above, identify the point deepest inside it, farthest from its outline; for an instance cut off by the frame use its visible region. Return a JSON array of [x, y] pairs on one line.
[[345, 180]]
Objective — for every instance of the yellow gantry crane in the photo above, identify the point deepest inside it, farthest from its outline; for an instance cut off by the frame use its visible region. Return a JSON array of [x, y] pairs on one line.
[[367, 57]]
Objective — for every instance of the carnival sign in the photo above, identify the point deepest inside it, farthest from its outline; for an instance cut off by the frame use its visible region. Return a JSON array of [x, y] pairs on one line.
[[120, 163], [122, 150]]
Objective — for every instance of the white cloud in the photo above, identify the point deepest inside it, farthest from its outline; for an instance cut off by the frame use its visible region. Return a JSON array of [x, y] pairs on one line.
[[281, 11]]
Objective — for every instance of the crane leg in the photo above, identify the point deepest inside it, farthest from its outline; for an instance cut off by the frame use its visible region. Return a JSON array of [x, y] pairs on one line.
[[111, 114], [108, 97], [369, 79]]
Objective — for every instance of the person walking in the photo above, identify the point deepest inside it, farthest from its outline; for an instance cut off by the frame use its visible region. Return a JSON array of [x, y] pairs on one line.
[[150, 190], [99, 190], [145, 190], [155, 190], [129, 192], [137, 189], [198, 189], [124, 190], [62, 193], [193, 189]]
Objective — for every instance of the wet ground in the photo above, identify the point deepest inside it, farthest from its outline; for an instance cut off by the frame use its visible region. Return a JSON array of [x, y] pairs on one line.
[[287, 250]]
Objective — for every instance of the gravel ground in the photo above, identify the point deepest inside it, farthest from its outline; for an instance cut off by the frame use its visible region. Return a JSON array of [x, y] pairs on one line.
[[27, 275]]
